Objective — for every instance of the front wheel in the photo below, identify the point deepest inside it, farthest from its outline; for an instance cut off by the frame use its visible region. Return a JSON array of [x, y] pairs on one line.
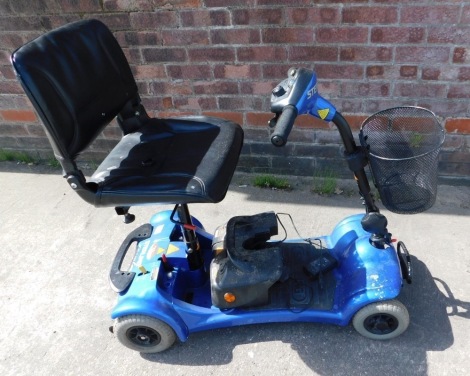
[[144, 333], [382, 320]]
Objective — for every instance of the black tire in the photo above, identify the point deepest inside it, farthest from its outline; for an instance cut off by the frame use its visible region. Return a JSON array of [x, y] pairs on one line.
[[382, 320], [144, 333]]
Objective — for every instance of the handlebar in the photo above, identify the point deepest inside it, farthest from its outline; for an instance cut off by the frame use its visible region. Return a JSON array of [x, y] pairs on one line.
[[284, 126]]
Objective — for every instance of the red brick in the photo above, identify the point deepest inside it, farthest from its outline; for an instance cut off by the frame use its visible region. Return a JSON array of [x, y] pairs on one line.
[[309, 121], [195, 103], [237, 71], [82, 6], [399, 34], [178, 4], [7, 72], [239, 103], [464, 74], [325, 71], [115, 21], [355, 89], [205, 18], [133, 55], [227, 3], [366, 54], [138, 38], [282, 2], [459, 91], [448, 14], [18, 130], [216, 87], [460, 55], [171, 88], [148, 72], [22, 23], [154, 20], [430, 73], [287, 35], [263, 53], [342, 1], [117, 5], [420, 90], [374, 71], [187, 72], [452, 141], [235, 36], [257, 16], [34, 7], [164, 54], [258, 118], [10, 87], [355, 121], [275, 70], [313, 16], [15, 101], [349, 34], [313, 53], [427, 55], [185, 37], [459, 125], [409, 71], [236, 117], [12, 40], [257, 88], [19, 116], [443, 106], [212, 54], [349, 105], [449, 34], [370, 15]]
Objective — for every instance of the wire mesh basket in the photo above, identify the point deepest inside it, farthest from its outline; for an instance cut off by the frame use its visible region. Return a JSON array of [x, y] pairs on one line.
[[403, 145]]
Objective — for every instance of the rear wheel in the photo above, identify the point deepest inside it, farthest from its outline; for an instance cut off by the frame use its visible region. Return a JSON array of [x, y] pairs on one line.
[[382, 320], [144, 334]]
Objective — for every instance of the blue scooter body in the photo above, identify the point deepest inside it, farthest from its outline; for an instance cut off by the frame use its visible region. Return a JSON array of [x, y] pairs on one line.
[[365, 274]]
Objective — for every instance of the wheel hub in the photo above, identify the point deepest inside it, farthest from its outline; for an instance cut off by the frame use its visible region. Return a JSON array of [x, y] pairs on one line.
[[381, 324], [143, 336]]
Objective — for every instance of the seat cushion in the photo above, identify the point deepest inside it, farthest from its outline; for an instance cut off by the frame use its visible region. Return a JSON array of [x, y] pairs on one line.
[[175, 160]]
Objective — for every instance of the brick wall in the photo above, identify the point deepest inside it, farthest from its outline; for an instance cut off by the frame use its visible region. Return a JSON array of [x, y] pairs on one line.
[[222, 58]]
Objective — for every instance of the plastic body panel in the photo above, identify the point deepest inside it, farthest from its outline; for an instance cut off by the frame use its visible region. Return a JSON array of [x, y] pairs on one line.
[[182, 299]]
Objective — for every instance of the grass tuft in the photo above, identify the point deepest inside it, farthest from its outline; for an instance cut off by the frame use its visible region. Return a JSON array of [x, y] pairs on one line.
[[272, 182], [15, 156], [325, 182]]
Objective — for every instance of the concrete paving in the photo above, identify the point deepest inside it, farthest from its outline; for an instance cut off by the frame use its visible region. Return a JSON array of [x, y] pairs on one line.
[[56, 251]]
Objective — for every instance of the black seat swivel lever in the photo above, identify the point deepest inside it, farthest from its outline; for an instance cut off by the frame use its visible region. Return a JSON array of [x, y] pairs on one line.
[[124, 210]]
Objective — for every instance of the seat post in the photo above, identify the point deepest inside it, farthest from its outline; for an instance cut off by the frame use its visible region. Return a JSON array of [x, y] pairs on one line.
[[194, 253]]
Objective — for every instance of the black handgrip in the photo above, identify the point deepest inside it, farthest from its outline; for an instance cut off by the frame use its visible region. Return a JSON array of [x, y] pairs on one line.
[[284, 126], [120, 280]]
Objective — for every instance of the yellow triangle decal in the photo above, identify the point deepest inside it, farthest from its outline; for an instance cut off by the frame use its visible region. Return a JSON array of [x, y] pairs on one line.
[[323, 113], [172, 249]]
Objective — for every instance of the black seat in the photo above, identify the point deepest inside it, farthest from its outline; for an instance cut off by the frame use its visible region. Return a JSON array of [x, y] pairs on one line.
[[78, 80]]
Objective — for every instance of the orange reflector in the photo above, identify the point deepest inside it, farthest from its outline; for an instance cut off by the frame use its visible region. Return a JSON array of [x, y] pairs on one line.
[[229, 297]]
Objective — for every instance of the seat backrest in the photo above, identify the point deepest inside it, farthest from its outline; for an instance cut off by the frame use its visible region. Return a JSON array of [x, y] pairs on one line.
[[78, 80]]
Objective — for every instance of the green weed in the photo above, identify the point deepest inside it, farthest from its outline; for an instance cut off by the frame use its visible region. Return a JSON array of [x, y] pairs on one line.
[[270, 181], [15, 156], [324, 182]]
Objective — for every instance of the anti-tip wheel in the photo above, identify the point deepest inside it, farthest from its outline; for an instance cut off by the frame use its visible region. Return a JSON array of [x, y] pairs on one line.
[[143, 333], [382, 320]]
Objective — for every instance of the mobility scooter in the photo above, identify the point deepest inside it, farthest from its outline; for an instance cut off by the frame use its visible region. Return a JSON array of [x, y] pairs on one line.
[[183, 279]]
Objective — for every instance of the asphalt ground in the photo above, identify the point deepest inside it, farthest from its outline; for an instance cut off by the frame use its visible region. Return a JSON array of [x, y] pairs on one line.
[[56, 252]]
